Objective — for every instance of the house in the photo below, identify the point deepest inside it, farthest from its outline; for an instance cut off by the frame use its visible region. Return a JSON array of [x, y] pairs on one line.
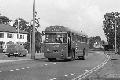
[[9, 33]]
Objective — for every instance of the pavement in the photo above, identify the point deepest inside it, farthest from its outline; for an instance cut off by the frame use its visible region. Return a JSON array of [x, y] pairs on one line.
[[4, 58]]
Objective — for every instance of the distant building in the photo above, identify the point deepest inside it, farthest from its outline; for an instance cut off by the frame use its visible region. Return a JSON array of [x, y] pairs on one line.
[[9, 33], [98, 45]]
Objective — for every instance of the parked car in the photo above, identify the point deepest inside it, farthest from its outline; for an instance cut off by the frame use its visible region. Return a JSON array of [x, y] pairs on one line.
[[15, 50]]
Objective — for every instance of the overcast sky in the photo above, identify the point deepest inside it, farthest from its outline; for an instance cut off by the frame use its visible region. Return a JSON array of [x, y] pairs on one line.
[[85, 15]]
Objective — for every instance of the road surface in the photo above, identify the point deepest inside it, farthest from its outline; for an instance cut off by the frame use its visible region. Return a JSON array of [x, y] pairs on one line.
[[42, 69]]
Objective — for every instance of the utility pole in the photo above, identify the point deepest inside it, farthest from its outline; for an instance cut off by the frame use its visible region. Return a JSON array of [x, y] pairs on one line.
[[115, 35], [30, 38], [116, 17], [33, 33]]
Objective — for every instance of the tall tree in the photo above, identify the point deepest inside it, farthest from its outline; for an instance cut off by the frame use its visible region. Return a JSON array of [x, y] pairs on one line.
[[23, 24], [26, 26], [110, 20], [4, 20], [38, 40], [93, 40]]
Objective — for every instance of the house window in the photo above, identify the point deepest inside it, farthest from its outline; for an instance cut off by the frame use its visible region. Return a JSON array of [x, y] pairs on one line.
[[23, 36], [20, 36], [1, 35], [9, 35]]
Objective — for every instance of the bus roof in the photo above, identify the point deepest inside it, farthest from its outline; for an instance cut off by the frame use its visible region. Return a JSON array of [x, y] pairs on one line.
[[53, 32], [62, 29], [80, 34]]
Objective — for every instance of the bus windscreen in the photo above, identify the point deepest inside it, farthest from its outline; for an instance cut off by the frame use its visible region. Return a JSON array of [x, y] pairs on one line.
[[55, 38]]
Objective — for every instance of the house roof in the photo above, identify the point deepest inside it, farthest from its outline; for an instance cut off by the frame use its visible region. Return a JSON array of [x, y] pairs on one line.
[[8, 28]]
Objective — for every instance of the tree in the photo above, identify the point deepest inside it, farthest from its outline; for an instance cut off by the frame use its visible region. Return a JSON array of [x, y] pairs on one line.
[[38, 40], [26, 26], [109, 22], [93, 40], [4, 20], [23, 24]]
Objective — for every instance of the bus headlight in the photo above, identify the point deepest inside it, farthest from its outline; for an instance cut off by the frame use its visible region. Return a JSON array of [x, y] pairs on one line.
[[76, 48]]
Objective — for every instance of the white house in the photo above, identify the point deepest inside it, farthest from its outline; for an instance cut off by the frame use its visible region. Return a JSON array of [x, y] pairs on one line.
[[9, 33]]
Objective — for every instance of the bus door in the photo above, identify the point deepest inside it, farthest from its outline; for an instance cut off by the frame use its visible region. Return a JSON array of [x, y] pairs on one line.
[[69, 45]]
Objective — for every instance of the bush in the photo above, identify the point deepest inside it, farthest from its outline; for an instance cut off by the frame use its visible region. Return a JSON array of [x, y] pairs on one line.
[[27, 45], [1, 50], [15, 48], [11, 48]]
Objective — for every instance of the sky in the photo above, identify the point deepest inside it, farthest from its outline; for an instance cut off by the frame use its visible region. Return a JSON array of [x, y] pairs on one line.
[[80, 15]]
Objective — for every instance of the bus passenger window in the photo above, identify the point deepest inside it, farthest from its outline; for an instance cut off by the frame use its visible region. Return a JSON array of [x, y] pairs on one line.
[[58, 40]]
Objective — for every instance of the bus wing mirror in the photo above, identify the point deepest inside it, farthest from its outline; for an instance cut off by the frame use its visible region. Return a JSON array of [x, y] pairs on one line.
[[43, 33]]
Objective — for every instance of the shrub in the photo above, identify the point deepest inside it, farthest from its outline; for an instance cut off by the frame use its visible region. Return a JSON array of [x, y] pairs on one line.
[[15, 48], [11, 48]]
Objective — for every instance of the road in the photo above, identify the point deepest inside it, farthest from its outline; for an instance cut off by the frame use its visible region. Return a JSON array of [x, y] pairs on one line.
[[42, 69]]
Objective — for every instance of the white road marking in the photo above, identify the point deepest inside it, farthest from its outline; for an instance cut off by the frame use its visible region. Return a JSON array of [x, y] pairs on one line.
[[53, 79], [54, 63], [17, 69], [11, 70], [46, 64], [65, 75], [0, 71], [86, 70], [22, 68], [71, 74], [27, 67], [94, 69], [98, 52]]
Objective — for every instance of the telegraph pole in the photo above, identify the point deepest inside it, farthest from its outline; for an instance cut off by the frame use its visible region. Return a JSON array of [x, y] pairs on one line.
[[33, 33], [115, 35], [30, 38], [116, 17]]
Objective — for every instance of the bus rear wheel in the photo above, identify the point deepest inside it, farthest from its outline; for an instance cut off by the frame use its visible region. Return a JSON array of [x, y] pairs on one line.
[[83, 58], [51, 59]]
